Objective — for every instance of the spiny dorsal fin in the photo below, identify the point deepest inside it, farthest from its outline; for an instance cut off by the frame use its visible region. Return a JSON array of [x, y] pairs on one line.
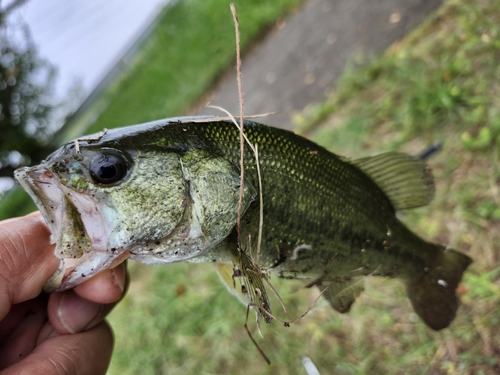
[[342, 294], [406, 180]]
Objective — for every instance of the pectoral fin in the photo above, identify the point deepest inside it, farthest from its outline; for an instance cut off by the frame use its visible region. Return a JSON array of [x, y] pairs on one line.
[[246, 283], [233, 283], [342, 294]]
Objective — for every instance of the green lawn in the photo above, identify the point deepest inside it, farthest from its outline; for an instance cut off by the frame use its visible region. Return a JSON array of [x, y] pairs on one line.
[[440, 83]]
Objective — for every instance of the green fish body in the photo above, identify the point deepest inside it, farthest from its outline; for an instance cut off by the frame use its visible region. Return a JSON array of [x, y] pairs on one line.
[[169, 191]]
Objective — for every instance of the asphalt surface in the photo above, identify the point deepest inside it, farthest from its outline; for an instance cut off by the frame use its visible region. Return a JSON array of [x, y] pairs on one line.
[[298, 63]]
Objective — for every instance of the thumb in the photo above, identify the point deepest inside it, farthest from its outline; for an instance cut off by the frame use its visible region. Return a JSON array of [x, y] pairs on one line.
[[26, 259]]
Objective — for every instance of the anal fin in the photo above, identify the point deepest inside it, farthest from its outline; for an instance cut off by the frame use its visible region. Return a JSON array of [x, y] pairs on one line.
[[342, 294]]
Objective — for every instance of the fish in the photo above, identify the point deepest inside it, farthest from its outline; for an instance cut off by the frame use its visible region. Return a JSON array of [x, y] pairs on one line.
[[172, 191]]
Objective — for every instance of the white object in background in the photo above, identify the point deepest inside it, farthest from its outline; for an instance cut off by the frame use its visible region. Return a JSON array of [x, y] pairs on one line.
[[309, 366]]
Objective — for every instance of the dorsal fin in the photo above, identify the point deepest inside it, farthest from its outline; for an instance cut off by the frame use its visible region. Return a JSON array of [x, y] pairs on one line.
[[406, 180]]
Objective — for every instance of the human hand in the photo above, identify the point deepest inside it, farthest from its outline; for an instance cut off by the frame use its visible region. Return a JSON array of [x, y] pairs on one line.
[[60, 333]]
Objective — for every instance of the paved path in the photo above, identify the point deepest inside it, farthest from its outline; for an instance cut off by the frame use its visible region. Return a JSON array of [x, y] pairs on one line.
[[299, 62]]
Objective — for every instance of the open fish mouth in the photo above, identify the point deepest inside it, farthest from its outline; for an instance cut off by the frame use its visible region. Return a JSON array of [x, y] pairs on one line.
[[44, 189], [77, 226]]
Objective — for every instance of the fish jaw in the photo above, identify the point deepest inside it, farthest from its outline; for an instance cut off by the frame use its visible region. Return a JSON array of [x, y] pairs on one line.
[[71, 274], [79, 229], [41, 186]]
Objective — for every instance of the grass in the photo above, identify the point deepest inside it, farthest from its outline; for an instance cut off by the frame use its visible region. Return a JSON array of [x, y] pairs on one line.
[[439, 83]]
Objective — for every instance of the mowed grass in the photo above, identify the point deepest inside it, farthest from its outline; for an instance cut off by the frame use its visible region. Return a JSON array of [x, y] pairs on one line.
[[441, 83]]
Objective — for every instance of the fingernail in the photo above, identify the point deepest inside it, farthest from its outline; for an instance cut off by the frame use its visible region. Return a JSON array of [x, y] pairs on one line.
[[119, 277], [76, 313]]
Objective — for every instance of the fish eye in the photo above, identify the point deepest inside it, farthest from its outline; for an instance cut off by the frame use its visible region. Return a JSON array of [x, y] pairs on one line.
[[108, 168]]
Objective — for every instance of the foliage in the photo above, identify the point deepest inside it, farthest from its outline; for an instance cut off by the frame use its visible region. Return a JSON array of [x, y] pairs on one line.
[[25, 88]]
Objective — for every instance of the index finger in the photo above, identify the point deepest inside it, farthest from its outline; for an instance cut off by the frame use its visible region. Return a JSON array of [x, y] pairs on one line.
[[26, 259]]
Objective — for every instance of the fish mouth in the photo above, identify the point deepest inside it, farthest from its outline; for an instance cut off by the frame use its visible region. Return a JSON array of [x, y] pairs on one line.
[[43, 188], [77, 226]]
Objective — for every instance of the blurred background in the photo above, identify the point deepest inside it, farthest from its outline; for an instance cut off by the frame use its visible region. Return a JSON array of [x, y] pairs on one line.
[[357, 76]]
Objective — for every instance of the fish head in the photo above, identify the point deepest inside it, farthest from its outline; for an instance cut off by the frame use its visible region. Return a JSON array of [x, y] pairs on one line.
[[106, 201]]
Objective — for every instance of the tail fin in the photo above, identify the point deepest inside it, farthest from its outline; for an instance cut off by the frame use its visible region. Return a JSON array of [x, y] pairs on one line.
[[432, 293]]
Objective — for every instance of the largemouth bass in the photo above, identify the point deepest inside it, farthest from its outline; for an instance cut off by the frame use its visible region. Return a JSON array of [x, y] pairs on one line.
[[168, 191]]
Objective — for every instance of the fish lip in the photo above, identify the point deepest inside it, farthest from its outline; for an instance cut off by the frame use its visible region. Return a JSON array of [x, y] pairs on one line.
[[74, 275], [36, 181]]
